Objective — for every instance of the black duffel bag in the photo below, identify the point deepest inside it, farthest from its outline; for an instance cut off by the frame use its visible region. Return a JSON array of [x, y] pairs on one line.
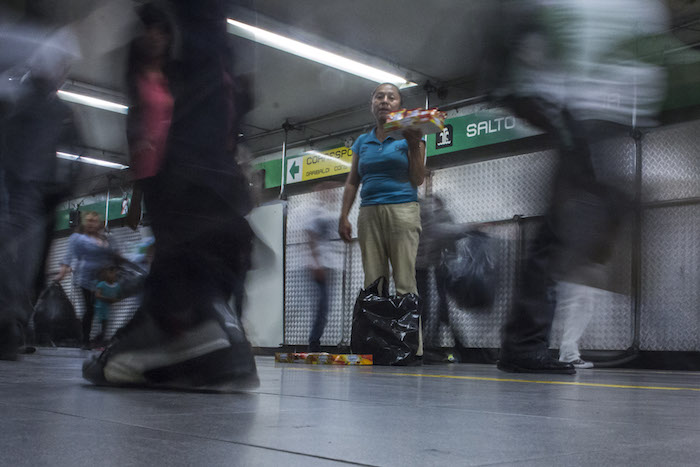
[[385, 326], [131, 278], [469, 270], [55, 320]]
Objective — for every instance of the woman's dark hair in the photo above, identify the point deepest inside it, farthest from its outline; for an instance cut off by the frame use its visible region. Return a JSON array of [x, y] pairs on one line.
[[398, 91], [104, 272], [151, 16]]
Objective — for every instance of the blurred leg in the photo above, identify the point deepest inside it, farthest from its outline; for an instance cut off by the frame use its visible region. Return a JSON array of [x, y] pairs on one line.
[[89, 300], [433, 323], [321, 317], [576, 303]]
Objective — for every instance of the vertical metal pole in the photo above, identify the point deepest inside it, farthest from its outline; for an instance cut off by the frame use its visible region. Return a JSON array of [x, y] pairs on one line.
[[637, 243], [107, 204], [425, 138], [284, 163], [344, 292]]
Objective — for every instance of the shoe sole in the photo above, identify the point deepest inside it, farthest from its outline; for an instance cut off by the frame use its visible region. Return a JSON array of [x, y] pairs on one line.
[[518, 369], [197, 361], [169, 379]]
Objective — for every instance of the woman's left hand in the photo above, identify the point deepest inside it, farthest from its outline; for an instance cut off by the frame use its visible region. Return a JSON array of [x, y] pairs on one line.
[[412, 135]]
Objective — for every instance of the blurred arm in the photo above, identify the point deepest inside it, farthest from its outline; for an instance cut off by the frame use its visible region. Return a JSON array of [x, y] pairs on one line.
[[351, 185]]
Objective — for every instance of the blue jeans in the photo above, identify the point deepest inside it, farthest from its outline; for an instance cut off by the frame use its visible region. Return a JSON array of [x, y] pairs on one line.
[[321, 312]]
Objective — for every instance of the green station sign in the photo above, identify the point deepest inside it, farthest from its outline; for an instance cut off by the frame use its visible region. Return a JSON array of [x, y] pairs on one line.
[[465, 132], [479, 129]]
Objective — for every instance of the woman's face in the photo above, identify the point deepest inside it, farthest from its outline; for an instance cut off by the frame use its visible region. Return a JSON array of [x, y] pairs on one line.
[[92, 224], [157, 41], [385, 99]]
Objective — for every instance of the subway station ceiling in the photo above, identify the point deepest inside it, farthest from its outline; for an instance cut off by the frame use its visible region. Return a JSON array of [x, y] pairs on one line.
[[440, 42]]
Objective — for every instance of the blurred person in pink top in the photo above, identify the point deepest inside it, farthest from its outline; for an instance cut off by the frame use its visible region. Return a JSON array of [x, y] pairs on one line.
[[151, 102]]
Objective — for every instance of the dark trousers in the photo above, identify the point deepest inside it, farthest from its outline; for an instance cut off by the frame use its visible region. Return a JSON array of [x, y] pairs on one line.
[[321, 318], [442, 315], [89, 300], [577, 228], [198, 200], [26, 222]]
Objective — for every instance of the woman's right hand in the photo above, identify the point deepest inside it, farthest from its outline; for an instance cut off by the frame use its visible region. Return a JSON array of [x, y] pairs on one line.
[[61, 273], [345, 229]]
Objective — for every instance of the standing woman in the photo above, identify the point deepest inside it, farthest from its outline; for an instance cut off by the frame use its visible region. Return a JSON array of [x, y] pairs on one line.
[[90, 251], [150, 103], [390, 169]]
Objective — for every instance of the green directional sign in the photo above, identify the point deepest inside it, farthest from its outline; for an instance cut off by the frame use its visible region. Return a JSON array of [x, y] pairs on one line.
[[479, 129], [294, 170]]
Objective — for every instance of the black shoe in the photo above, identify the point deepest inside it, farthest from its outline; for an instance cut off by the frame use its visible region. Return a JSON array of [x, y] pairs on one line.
[[27, 349], [9, 341], [540, 363], [314, 347], [415, 361], [213, 356]]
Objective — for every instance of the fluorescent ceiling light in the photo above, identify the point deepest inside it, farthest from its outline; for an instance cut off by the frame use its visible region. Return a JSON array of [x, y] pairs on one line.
[[326, 156], [315, 54], [93, 102], [90, 160]]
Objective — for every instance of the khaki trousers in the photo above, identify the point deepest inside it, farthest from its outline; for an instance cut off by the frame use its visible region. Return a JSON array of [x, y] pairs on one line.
[[390, 233]]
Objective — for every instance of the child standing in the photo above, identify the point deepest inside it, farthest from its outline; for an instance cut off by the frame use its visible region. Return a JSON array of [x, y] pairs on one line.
[[107, 292]]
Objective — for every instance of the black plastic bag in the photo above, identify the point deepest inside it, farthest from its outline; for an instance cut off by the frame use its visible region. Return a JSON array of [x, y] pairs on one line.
[[131, 278], [469, 271], [55, 320], [385, 326]]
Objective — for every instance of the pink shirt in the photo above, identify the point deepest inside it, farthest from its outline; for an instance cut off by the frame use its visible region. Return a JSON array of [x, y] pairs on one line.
[[156, 104]]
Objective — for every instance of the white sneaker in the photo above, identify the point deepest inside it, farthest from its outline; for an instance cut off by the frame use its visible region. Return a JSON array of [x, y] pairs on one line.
[[582, 364]]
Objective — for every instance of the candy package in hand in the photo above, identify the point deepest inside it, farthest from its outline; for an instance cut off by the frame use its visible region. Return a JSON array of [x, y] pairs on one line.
[[426, 120]]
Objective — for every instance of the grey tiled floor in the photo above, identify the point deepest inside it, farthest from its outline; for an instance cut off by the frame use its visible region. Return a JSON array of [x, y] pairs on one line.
[[311, 416]]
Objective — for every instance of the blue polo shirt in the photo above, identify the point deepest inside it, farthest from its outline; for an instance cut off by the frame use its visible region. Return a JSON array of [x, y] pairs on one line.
[[383, 170]]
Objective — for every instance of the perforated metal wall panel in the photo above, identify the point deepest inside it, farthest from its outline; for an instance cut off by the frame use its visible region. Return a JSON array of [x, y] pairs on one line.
[[497, 189], [299, 208], [301, 299], [670, 317], [614, 162], [671, 162]]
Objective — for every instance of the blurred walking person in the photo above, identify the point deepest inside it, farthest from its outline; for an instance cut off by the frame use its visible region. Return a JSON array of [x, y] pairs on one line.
[[560, 61], [320, 230], [185, 335], [439, 232], [34, 124]]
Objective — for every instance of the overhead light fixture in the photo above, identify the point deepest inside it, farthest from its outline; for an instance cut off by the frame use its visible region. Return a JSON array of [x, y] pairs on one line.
[[315, 54], [93, 102], [90, 160]]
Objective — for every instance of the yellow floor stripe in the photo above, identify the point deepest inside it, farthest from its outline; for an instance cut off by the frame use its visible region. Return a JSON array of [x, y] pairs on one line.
[[514, 380]]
